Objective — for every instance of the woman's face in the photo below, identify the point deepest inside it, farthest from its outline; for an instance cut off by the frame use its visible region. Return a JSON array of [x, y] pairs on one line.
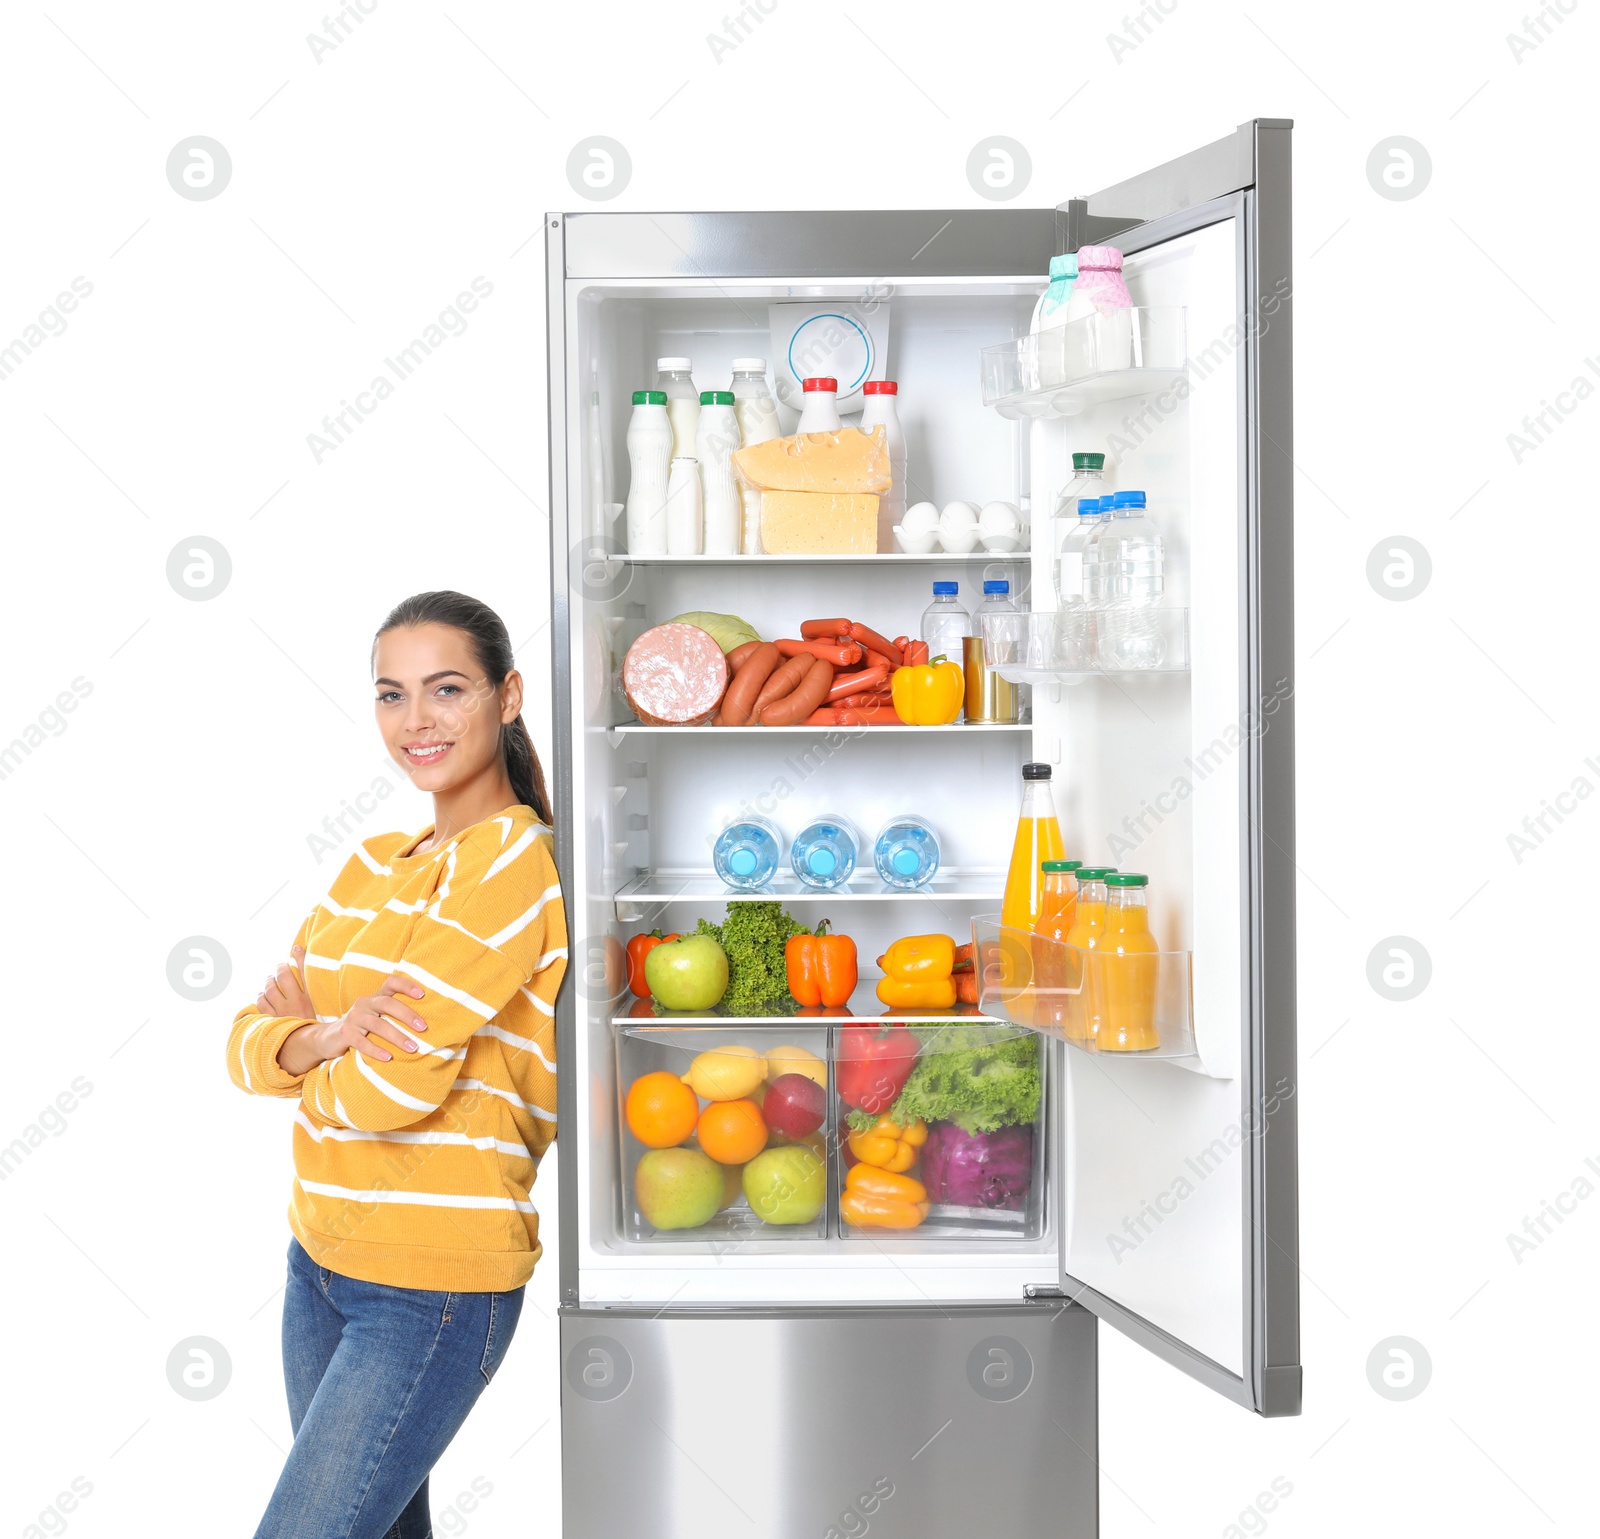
[[439, 715]]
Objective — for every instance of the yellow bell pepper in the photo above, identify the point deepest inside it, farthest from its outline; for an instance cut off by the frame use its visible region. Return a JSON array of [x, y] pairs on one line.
[[928, 694], [916, 973], [875, 1199], [888, 1146]]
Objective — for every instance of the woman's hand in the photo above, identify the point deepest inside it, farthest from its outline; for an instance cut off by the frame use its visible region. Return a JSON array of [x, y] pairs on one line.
[[284, 992], [374, 1016]]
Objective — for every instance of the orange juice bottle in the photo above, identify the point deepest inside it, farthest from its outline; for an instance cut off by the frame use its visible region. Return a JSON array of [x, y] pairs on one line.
[[1038, 840], [1125, 969], [1082, 1015], [1058, 907]]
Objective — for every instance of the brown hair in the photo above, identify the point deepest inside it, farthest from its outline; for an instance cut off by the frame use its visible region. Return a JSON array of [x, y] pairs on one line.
[[491, 645]]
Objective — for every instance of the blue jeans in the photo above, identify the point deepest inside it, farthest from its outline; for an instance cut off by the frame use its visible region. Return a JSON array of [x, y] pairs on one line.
[[379, 1379]]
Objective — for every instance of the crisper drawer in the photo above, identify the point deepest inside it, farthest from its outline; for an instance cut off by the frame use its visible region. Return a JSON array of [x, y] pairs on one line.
[[828, 1133], [801, 1424]]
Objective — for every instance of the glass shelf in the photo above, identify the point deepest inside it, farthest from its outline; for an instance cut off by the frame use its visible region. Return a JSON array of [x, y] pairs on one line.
[[638, 728], [1066, 645], [1064, 371], [1131, 1007], [670, 885], [862, 1005], [880, 558]]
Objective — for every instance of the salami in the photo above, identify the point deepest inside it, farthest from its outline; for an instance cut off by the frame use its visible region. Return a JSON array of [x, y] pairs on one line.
[[674, 676]]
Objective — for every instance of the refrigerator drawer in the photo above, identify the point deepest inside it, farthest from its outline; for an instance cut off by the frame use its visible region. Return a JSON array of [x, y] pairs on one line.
[[962, 1420]]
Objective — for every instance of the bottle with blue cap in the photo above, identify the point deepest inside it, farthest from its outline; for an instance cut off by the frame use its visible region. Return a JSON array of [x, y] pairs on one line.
[[746, 853], [945, 622], [824, 853], [906, 852], [1130, 559]]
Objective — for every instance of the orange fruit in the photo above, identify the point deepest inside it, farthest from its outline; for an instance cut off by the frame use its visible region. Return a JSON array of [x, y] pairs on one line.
[[661, 1110], [732, 1132]]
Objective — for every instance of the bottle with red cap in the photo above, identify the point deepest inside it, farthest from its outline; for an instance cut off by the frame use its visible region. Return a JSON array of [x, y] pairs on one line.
[[820, 411], [881, 410]]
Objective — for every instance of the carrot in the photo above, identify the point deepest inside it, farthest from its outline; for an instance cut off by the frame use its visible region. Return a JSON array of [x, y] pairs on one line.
[[856, 682], [880, 644], [964, 955], [842, 654], [824, 630]]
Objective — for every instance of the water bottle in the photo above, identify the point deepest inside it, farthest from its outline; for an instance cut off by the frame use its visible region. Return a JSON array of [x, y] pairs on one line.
[[746, 853], [1132, 577], [824, 854], [906, 852], [945, 623], [996, 601], [1072, 552]]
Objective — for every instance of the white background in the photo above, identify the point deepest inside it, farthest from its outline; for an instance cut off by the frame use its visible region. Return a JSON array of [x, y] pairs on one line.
[[368, 188]]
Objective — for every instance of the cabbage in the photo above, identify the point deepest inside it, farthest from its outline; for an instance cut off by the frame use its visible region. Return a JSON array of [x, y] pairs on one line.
[[728, 631], [978, 1170]]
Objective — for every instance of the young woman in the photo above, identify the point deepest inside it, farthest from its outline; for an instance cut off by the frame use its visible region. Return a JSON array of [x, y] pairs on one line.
[[415, 1027]]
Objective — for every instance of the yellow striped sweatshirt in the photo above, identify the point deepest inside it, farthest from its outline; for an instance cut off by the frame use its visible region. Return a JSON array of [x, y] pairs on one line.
[[415, 1172]]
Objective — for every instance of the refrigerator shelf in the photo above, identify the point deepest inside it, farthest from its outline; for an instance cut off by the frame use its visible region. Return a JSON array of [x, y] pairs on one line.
[[862, 1005], [670, 885], [1064, 371], [1068, 645], [1085, 998], [638, 728], [880, 558]]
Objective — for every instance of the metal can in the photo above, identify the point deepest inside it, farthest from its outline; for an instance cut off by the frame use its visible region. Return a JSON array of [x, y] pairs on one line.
[[989, 697]]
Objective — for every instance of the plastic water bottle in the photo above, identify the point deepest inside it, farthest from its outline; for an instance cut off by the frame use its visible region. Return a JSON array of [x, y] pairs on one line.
[[1072, 551], [996, 601], [1132, 579], [824, 854], [945, 623], [746, 853], [906, 852]]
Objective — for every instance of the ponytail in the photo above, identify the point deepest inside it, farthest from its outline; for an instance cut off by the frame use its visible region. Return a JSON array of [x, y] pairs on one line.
[[491, 644]]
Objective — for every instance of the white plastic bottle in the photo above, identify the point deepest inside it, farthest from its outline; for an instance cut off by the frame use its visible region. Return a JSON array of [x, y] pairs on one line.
[[758, 421], [683, 402], [882, 409], [1049, 316], [716, 437], [1105, 343], [649, 464], [685, 516], [820, 413]]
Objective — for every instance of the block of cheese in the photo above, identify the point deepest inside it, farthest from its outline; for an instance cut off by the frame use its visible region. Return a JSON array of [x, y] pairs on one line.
[[819, 523], [846, 461]]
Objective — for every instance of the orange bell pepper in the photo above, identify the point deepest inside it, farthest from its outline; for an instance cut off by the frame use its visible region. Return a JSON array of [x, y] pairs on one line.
[[889, 1147], [821, 967], [875, 1199]]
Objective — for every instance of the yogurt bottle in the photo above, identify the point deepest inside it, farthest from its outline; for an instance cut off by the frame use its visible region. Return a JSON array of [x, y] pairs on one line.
[[820, 414], [758, 421], [882, 410], [685, 515], [649, 462], [1103, 342], [716, 437], [683, 402]]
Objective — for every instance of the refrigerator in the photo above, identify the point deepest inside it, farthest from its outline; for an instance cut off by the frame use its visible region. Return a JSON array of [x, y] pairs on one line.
[[739, 1379]]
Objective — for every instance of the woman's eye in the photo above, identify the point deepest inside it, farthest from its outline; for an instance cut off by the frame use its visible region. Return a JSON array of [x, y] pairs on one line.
[[388, 697], [449, 689]]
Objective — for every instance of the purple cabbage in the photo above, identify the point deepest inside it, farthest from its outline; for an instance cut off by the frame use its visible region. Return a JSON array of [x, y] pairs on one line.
[[978, 1170]]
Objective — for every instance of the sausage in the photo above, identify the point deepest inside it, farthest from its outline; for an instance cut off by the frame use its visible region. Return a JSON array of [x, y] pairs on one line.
[[738, 656], [858, 682], [870, 638], [878, 660], [916, 653], [822, 717], [824, 630], [869, 699], [782, 682], [747, 684], [842, 654], [674, 676], [808, 695]]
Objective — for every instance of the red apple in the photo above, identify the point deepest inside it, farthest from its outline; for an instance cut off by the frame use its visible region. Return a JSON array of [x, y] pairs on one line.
[[794, 1105]]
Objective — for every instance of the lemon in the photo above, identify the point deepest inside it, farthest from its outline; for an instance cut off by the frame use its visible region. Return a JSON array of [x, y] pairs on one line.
[[796, 1060], [726, 1073]]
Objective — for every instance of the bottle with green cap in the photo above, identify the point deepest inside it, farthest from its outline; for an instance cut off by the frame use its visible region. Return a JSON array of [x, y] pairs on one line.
[[649, 463], [1077, 513], [1125, 970], [1058, 908], [716, 437], [1087, 926]]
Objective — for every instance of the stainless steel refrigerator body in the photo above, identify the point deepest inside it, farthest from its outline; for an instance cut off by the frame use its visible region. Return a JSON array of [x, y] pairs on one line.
[[837, 1384]]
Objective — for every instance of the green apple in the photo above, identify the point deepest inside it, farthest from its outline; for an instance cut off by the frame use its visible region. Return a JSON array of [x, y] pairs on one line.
[[677, 1188], [687, 974], [786, 1185]]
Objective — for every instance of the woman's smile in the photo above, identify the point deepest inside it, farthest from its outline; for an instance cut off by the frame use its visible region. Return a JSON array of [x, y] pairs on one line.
[[429, 752]]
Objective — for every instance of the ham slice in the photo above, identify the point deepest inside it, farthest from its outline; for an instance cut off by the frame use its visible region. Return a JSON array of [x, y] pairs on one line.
[[674, 676]]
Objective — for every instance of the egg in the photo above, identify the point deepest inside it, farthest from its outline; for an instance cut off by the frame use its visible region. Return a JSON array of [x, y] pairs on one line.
[[920, 518], [999, 518], [959, 514]]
